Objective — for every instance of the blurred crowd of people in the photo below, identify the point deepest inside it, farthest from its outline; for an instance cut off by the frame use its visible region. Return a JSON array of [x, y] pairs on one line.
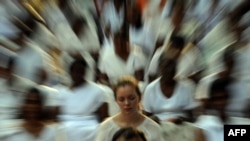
[[122, 70]]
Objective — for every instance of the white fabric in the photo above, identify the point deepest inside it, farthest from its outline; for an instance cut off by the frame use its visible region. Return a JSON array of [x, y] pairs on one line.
[[165, 108], [52, 97], [20, 134], [89, 40], [145, 37], [108, 128], [115, 67], [12, 96], [78, 107], [29, 60], [188, 63], [213, 44], [9, 103], [242, 63], [175, 132], [238, 90], [111, 18], [202, 89], [214, 128], [112, 105]]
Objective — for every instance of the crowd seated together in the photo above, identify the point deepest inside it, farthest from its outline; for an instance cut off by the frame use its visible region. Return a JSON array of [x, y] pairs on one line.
[[123, 70]]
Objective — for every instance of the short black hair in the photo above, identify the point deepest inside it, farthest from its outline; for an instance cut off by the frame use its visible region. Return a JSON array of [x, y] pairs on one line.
[[220, 85], [129, 133], [76, 62], [178, 41]]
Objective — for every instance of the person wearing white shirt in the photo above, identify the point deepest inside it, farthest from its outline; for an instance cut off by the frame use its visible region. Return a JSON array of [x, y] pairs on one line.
[[121, 60], [166, 98]]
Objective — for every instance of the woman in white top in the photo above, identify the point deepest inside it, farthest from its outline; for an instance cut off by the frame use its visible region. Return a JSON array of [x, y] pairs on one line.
[[128, 96], [83, 105]]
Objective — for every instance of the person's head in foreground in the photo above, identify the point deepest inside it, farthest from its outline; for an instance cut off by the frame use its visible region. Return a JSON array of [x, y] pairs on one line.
[[129, 134]]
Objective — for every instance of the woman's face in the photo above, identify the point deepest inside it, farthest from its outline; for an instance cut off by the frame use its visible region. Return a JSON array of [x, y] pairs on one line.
[[127, 99]]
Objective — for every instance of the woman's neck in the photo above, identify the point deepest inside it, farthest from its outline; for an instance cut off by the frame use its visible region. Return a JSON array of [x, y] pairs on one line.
[[130, 120]]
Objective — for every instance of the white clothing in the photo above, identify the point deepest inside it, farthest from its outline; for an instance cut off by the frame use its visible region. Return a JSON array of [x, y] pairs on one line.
[[188, 63], [242, 63], [20, 134], [112, 105], [115, 67], [12, 96], [203, 87], [214, 128], [52, 97], [175, 132], [89, 40], [78, 109], [112, 18], [9, 103], [29, 60], [144, 37], [164, 108], [213, 45], [109, 127], [238, 90]]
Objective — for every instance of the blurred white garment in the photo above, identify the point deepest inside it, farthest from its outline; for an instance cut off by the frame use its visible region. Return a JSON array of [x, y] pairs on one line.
[[29, 61], [89, 40], [109, 127], [44, 38], [213, 127], [115, 67], [21, 134], [189, 62], [112, 105], [164, 108], [213, 45], [112, 18], [144, 37], [238, 93], [51, 95], [174, 132], [78, 111], [85, 9], [9, 102]]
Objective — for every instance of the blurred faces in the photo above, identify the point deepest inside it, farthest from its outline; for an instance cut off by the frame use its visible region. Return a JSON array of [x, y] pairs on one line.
[[127, 99], [168, 69], [173, 53], [77, 72], [32, 107], [219, 100], [121, 45]]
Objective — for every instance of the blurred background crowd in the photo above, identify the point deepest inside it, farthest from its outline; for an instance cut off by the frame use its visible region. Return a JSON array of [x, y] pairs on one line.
[[83, 69]]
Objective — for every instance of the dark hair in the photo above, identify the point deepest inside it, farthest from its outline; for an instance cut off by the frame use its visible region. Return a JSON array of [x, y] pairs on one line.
[[219, 85], [130, 81], [229, 55], [129, 133], [177, 41], [165, 62], [26, 25], [35, 91], [77, 62]]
